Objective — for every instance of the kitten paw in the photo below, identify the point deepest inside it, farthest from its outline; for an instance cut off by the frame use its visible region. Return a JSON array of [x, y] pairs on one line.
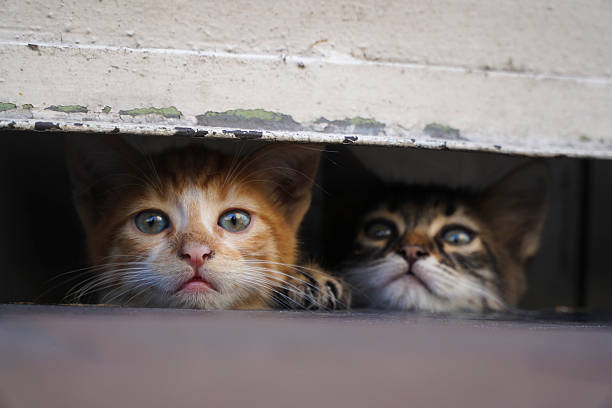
[[316, 290]]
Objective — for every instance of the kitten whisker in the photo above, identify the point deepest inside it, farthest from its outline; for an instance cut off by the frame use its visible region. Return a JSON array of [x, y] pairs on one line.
[[471, 286], [100, 282], [272, 289], [74, 274], [133, 286], [290, 287], [275, 271], [275, 288]]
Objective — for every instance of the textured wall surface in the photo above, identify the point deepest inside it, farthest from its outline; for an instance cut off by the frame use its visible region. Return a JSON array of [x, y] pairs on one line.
[[530, 77]]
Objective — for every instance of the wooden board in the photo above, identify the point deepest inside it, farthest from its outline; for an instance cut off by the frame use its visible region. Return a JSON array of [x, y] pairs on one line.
[[101, 357]]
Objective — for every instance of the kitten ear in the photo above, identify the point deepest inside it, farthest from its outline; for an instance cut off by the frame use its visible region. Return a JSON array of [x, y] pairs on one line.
[[96, 163], [287, 172], [516, 208]]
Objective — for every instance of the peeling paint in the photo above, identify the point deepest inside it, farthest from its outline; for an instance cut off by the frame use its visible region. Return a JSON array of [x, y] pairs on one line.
[[27, 106], [4, 106], [249, 119], [169, 112], [184, 131], [263, 119], [357, 124], [106, 109], [68, 108], [442, 131], [187, 131], [42, 126], [596, 149], [245, 134]]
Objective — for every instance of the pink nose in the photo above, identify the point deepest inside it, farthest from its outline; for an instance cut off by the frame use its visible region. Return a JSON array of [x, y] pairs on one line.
[[413, 252], [195, 255]]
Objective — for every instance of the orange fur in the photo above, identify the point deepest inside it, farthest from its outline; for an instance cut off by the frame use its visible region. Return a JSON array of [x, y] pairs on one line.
[[193, 186]]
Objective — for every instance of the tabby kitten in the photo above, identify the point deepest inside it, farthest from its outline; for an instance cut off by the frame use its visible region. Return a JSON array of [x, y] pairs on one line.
[[434, 249], [194, 228]]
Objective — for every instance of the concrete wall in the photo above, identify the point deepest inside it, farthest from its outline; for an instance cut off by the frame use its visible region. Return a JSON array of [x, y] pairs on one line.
[[531, 77]]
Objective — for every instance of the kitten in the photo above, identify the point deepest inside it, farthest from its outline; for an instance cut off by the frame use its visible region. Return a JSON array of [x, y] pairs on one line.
[[434, 249], [194, 228]]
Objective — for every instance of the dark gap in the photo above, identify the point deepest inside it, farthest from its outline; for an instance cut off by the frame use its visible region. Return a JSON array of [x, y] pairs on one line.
[[584, 234]]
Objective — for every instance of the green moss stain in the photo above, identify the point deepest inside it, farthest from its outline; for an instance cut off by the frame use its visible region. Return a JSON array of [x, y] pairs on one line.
[[106, 109], [248, 119], [248, 114], [442, 131], [585, 138], [262, 119], [169, 112], [359, 121], [4, 106], [27, 106], [68, 108], [357, 124], [439, 127]]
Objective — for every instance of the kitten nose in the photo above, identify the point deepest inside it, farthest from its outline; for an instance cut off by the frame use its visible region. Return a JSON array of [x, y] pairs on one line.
[[195, 255], [412, 253]]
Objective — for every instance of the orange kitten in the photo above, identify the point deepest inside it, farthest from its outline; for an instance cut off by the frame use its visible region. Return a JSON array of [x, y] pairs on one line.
[[195, 228]]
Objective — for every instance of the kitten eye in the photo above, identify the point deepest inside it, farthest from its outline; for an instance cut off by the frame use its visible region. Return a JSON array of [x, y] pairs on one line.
[[151, 221], [378, 229], [234, 220], [458, 236]]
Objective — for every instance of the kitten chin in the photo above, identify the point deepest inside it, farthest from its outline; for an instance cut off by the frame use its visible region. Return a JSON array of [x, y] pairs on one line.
[[194, 228], [435, 249]]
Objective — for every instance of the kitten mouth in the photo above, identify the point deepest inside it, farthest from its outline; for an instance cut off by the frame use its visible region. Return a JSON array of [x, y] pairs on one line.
[[196, 285], [410, 275]]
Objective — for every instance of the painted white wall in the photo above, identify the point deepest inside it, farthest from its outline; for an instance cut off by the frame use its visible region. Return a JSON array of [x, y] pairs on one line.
[[512, 76]]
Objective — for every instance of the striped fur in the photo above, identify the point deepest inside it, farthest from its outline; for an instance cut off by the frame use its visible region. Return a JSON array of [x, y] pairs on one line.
[[415, 267]]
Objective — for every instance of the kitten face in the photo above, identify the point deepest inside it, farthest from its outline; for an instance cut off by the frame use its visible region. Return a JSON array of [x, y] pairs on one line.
[[436, 250], [194, 261], [193, 228], [427, 256]]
